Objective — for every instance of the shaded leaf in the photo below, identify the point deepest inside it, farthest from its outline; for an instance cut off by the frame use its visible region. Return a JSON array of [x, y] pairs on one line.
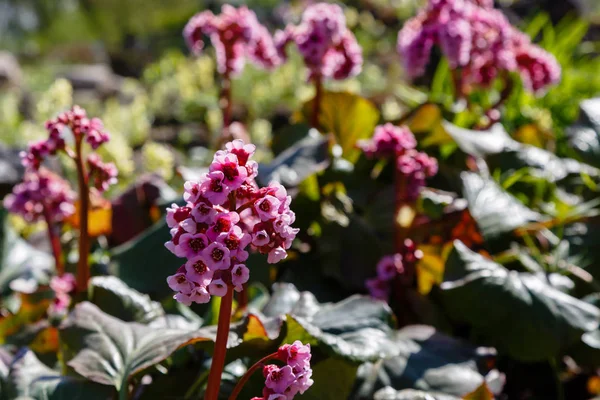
[[29, 378], [298, 162], [114, 297], [584, 135], [496, 211], [348, 116], [427, 360], [520, 313]]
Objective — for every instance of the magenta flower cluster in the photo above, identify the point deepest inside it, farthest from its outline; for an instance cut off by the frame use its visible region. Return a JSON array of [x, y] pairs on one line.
[[236, 34], [391, 266], [328, 47], [398, 142], [225, 212], [62, 287], [477, 40], [283, 383], [82, 128], [41, 194]]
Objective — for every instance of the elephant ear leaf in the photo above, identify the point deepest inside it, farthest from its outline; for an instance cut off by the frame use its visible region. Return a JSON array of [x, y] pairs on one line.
[[521, 313]]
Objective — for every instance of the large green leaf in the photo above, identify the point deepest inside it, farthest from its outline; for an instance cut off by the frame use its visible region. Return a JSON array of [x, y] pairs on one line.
[[520, 313], [28, 378], [114, 297], [584, 135], [496, 211], [389, 393], [304, 158], [480, 143], [143, 263], [357, 329], [430, 361], [18, 259], [107, 350], [348, 116]]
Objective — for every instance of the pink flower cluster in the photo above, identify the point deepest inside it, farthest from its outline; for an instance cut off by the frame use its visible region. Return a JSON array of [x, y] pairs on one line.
[[283, 383], [81, 127], [328, 47], [225, 212], [477, 40], [390, 141], [62, 287], [236, 35], [41, 194], [389, 267]]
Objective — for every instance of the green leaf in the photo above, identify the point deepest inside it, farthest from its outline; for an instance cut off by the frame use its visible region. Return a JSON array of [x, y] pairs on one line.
[[357, 329], [298, 162], [584, 135], [427, 360], [328, 385], [142, 263], [496, 212], [480, 143], [114, 297], [29, 378], [348, 116], [520, 313], [18, 259], [107, 350]]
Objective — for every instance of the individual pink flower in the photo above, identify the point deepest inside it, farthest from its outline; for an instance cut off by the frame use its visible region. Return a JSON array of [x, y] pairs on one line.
[[223, 222], [234, 173], [180, 282], [198, 270], [278, 379], [101, 174], [177, 214], [63, 284], [217, 256], [390, 266], [267, 207], [193, 244], [203, 212], [235, 240], [388, 140], [217, 288], [239, 275], [277, 254]]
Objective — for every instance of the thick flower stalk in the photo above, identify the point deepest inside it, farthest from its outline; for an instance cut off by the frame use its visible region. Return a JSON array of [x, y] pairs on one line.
[[237, 36], [479, 43], [76, 123], [282, 382], [328, 47], [43, 195], [225, 215]]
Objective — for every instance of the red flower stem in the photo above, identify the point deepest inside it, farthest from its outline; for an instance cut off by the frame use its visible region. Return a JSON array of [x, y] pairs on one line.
[[317, 101], [54, 243], [226, 100], [243, 298], [218, 361], [83, 270], [259, 364]]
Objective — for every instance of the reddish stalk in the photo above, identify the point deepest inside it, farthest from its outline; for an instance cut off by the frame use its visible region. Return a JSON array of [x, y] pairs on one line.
[[317, 101], [240, 385], [226, 100], [83, 270], [243, 298], [54, 243], [218, 361]]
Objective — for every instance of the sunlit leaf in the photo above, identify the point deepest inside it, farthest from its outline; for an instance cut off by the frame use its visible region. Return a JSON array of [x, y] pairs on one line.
[[99, 217], [481, 393]]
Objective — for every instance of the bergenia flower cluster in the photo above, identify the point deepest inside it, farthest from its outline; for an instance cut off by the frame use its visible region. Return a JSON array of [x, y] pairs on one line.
[[391, 266], [236, 35], [62, 287], [328, 47], [225, 212], [83, 128], [398, 142], [41, 195], [283, 383], [478, 41]]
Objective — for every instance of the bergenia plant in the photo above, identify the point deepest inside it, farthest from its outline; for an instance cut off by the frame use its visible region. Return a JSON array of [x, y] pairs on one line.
[[67, 134], [480, 45], [43, 195], [237, 36], [412, 168], [226, 214], [328, 47]]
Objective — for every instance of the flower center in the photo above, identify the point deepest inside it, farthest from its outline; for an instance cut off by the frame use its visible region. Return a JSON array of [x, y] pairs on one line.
[[230, 171], [197, 244], [265, 206], [217, 254], [216, 186], [232, 242], [200, 267], [181, 279]]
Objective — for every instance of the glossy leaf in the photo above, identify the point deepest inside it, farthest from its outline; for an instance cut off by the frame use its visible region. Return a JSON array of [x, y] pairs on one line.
[[520, 313], [348, 116], [107, 350], [584, 135]]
